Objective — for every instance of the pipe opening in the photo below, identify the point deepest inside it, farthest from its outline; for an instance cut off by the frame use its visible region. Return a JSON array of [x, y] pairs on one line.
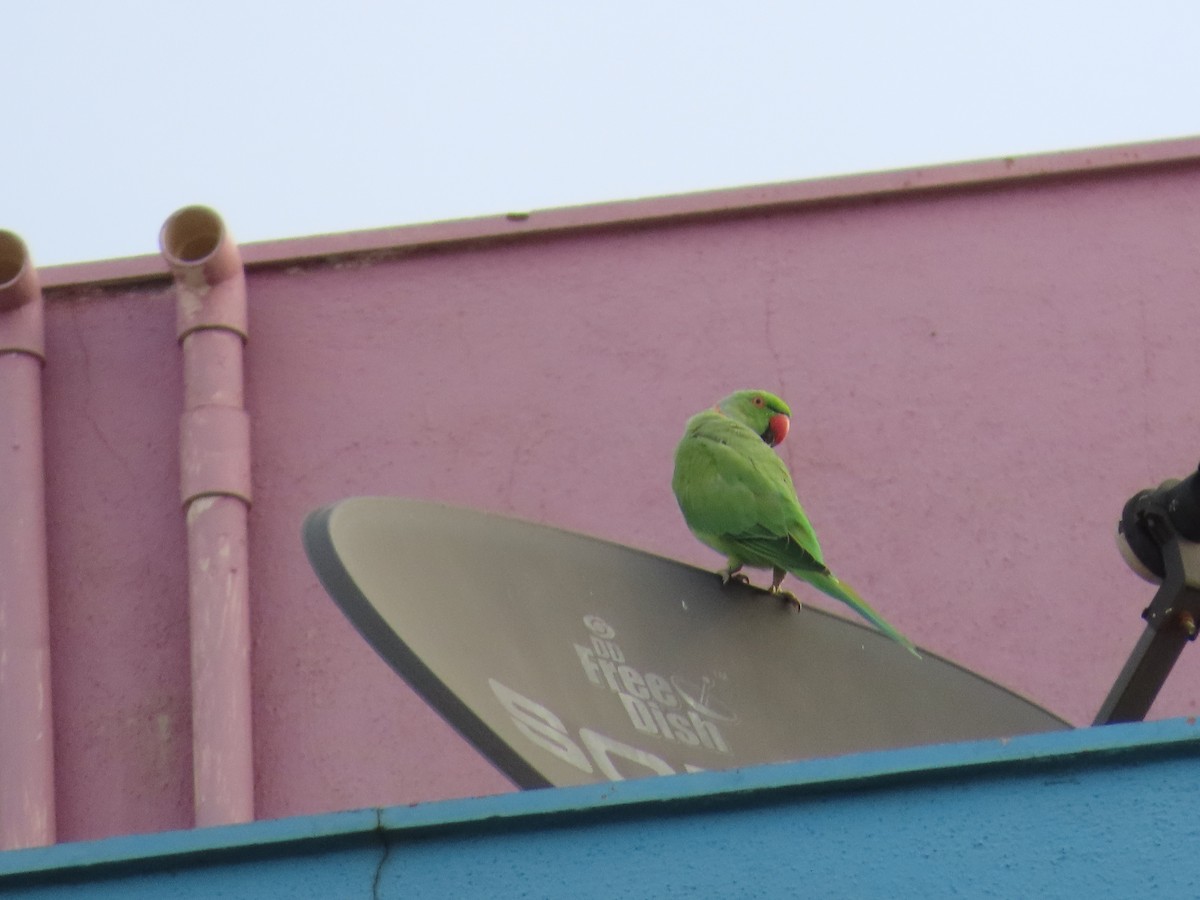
[[13, 258], [192, 234]]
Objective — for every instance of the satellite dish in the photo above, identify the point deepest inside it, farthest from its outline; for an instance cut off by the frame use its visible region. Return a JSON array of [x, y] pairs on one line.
[[569, 660]]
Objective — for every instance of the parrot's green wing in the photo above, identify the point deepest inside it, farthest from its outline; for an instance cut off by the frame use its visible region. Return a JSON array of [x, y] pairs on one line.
[[730, 484]]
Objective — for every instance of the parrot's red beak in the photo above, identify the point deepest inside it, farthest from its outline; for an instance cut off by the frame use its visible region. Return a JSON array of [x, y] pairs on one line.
[[777, 429]]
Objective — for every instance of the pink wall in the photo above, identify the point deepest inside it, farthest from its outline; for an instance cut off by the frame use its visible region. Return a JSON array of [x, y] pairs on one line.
[[980, 375]]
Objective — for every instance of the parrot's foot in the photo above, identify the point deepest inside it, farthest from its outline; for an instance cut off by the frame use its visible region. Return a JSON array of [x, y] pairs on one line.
[[728, 575], [787, 597]]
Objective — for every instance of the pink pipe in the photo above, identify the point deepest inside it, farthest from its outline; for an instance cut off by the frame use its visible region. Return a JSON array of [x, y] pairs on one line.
[[26, 733], [215, 486]]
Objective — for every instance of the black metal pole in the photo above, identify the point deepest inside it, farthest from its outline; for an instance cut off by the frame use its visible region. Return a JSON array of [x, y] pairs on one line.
[[1172, 619]]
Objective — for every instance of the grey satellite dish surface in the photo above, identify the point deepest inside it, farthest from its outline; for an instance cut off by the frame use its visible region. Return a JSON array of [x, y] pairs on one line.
[[568, 660]]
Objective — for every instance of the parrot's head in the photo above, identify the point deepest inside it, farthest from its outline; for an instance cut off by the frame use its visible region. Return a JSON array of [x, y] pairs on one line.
[[761, 411]]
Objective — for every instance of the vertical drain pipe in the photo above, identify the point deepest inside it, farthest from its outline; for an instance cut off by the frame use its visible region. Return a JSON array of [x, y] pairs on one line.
[[26, 735], [214, 444]]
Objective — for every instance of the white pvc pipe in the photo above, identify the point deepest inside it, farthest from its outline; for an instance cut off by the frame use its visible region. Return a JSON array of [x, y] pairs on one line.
[[215, 490], [26, 728]]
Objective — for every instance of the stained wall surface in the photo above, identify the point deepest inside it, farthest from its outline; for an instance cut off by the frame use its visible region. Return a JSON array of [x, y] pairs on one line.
[[980, 374]]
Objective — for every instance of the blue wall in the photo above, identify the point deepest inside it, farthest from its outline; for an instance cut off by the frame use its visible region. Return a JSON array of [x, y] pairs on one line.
[[1101, 812]]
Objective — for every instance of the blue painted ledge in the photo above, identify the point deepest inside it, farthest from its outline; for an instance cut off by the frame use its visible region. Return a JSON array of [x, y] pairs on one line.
[[1098, 812]]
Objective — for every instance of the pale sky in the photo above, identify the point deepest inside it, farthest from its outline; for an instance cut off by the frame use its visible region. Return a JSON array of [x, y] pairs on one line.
[[296, 118]]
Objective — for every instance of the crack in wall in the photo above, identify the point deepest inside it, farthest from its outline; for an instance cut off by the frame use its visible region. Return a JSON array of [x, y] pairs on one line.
[[87, 403], [387, 849], [769, 341]]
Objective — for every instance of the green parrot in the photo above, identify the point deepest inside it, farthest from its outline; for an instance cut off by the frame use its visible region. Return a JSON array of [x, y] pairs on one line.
[[737, 497]]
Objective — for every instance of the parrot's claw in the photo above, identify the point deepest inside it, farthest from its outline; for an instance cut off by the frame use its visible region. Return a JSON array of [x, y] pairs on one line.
[[787, 597], [728, 575]]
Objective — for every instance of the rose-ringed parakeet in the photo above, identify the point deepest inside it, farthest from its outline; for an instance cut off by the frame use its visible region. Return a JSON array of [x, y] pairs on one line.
[[737, 497]]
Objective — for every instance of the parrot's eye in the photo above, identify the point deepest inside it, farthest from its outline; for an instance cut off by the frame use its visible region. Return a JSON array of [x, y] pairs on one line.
[[758, 401]]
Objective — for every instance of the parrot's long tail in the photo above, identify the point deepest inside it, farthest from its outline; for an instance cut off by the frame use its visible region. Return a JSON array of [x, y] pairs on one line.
[[839, 590]]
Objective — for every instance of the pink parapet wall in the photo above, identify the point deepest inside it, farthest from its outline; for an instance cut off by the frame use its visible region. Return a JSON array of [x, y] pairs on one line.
[[26, 724], [984, 361]]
